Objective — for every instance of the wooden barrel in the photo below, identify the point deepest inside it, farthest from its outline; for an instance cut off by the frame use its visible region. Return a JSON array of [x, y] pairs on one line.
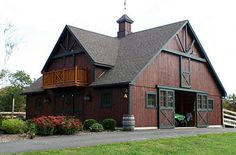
[[128, 122]]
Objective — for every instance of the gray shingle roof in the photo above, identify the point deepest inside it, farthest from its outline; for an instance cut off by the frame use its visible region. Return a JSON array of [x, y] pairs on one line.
[[101, 48], [135, 51], [35, 87]]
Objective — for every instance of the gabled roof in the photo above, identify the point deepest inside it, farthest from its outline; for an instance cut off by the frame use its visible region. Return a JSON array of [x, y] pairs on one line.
[[127, 57], [135, 51]]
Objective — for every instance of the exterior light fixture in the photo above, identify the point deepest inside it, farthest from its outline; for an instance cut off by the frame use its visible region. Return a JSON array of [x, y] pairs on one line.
[[87, 97], [126, 93]]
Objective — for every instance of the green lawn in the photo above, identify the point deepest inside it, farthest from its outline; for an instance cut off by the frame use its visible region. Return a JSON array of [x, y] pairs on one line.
[[204, 144]]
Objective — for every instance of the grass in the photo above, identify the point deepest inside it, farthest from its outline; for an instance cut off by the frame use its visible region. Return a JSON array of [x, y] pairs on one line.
[[211, 144]]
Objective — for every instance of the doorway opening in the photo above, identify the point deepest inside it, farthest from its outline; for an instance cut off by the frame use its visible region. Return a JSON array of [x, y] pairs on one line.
[[185, 109]]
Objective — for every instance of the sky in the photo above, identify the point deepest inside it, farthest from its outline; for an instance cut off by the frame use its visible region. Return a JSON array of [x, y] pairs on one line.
[[39, 24]]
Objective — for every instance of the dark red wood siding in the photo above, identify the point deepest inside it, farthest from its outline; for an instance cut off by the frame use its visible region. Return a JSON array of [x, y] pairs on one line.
[[119, 107], [165, 71], [82, 109], [99, 71], [143, 116], [47, 107]]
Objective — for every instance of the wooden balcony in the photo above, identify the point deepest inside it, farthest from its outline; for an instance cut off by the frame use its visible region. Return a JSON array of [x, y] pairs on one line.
[[65, 78]]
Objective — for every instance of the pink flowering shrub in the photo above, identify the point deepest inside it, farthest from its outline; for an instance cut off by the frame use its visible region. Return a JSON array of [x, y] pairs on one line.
[[49, 125]]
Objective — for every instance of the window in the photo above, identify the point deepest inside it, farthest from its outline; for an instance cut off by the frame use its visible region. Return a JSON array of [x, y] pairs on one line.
[[167, 98], [150, 99], [202, 101], [210, 104], [39, 104], [106, 100]]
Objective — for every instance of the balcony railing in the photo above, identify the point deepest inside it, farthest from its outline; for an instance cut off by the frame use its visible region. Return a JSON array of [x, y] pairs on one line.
[[65, 77]]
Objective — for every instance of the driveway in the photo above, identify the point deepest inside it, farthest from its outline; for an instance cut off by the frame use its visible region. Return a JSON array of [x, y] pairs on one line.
[[80, 140]]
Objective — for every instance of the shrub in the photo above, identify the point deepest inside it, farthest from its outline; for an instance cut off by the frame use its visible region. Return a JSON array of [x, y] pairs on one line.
[[57, 125], [31, 129], [109, 124], [13, 126], [44, 125], [88, 123], [66, 125], [96, 127]]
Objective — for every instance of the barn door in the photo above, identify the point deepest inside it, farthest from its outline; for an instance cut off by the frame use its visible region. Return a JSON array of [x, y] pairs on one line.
[[202, 110], [166, 109], [58, 105], [186, 76], [79, 106], [68, 104]]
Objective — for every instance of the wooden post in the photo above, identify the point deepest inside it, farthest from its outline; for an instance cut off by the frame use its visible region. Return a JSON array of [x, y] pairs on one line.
[[76, 74], [13, 107]]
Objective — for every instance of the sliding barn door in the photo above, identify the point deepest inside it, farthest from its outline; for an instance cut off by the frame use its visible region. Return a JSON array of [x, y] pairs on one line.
[[166, 109], [202, 110]]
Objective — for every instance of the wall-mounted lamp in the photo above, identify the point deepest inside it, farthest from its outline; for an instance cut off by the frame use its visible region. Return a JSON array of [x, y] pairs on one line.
[[46, 100], [126, 93], [87, 97]]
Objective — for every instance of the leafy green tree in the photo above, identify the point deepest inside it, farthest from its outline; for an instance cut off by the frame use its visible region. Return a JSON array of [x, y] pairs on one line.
[[18, 81]]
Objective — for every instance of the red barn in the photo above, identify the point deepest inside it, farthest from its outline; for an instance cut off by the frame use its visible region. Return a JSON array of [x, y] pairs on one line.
[[151, 74]]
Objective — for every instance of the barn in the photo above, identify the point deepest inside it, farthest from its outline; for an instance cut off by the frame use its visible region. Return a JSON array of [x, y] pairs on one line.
[[152, 74]]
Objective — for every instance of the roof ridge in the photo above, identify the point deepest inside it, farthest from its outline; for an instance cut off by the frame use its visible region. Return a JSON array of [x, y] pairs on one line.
[[149, 29], [70, 26]]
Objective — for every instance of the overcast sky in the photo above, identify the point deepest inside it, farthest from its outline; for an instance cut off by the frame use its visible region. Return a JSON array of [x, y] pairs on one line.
[[40, 22]]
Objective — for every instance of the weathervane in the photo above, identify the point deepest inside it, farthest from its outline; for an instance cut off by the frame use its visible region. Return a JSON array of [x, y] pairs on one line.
[[124, 5]]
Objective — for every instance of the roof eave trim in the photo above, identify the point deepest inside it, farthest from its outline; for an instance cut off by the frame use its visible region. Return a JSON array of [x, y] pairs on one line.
[[102, 65], [33, 92], [110, 84]]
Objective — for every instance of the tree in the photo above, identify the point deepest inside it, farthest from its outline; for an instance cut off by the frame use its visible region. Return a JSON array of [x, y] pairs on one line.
[[18, 81], [6, 96], [230, 102]]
